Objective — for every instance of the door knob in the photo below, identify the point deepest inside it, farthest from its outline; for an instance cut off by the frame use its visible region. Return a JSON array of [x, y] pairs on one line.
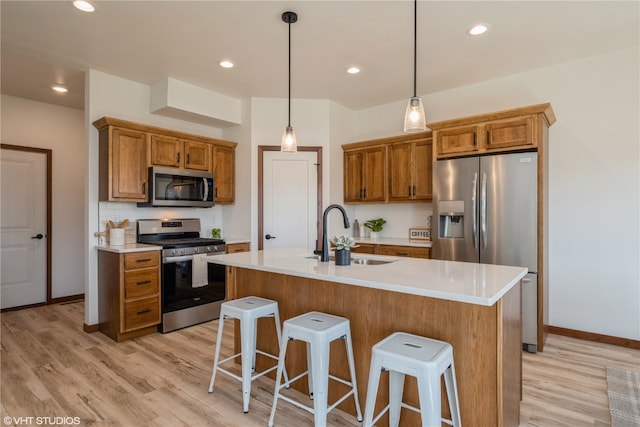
[[37, 236], [269, 236]]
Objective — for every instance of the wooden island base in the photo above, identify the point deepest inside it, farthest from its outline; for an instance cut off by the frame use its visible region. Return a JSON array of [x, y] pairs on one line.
[[486, 340]]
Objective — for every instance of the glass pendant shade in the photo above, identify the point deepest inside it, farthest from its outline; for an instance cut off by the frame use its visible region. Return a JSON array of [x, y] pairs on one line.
[[414, 118], [289, 142]]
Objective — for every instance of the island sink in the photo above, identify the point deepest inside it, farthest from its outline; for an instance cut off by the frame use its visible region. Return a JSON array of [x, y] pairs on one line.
[[360, 261]]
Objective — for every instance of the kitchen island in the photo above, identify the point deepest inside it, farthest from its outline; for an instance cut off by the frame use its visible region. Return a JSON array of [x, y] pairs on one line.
[[474, 307]]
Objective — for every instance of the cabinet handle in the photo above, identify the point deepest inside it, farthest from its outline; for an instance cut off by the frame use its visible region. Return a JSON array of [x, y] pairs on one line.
[[143, 260], [178, 158], [474, 139], [414, 191], [144, 311], [365, 193], [488, 136], [410, 194], [216, 195], [143, 282], [402, 253], [144, 188], [188, 162]]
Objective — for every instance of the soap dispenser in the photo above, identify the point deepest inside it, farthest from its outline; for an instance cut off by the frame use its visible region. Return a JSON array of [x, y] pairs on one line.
[[356, 229]]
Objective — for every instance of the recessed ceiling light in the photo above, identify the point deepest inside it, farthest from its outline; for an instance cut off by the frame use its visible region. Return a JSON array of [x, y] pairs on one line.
[[478, 29], [59, 89], [226, 64], [353, 70], [84, 5]]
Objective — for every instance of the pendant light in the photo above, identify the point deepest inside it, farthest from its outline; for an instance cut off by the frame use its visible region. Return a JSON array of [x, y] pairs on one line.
[[414, 118], [289, 143]]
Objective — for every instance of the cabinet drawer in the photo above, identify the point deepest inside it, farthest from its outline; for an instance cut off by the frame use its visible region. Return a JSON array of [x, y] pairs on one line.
[[141, 260], [237, 247], [141, 313], [364, 248], [142, 282], [406, 251]]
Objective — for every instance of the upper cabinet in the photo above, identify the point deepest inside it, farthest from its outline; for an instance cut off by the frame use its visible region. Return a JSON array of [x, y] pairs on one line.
[[179, 153], [509, 130], [365, 174], [410, 170], [388, 170], [123, 165], [224, 171], [127, 150]]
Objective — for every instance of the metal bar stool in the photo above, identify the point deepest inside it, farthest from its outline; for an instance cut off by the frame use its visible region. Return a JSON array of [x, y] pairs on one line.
[[424, 358], [318, 330], [248, 310]]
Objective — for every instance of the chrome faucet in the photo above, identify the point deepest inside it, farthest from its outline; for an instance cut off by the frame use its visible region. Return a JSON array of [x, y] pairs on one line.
[[324, 257]]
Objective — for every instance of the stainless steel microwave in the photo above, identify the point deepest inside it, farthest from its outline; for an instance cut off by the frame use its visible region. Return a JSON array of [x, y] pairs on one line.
[[175, 187]]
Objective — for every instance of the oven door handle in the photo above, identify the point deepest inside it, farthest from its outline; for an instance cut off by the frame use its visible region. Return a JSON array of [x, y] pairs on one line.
[[171, 259]]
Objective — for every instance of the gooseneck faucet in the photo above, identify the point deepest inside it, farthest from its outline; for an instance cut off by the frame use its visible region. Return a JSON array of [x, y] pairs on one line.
[[324, 257]]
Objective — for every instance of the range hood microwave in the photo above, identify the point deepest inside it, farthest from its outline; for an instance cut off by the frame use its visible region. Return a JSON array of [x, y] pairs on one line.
[[173, 187]]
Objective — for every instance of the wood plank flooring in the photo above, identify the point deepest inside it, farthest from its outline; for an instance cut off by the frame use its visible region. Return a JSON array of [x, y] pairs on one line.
[[51, 368]]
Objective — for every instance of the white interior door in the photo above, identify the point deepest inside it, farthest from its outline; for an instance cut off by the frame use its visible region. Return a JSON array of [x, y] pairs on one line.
[[23, 233], [290, 199]]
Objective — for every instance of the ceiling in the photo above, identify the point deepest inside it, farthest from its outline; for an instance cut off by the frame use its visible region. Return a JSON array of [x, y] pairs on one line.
[[47, 42]]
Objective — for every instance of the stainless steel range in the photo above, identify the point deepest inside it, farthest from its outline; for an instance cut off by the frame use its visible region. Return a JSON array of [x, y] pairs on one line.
[[192, 289]]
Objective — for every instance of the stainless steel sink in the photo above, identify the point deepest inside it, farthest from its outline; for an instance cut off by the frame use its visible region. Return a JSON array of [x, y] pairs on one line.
[[356, 260]]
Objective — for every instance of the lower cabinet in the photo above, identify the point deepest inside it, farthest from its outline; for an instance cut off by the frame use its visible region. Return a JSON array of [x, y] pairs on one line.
[[393, 250], [129, 293]]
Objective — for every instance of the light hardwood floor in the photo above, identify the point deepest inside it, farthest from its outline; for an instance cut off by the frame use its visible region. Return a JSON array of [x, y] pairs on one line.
[[51, 368]]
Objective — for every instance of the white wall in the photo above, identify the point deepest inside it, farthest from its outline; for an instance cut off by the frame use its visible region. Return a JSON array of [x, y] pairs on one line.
[[594, 206], [61, 130], [107, 95]]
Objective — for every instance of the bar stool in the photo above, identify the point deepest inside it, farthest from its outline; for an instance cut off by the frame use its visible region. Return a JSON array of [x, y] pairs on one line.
[[424, 358], [318, 330], [248, 310]]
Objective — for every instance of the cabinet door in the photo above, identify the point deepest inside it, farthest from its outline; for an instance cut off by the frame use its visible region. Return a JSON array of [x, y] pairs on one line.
[[457, 140], [197, 155], [422, 168], [353, 171], [166, 151], [400, 171], [224, 173], [375, 174], [128, 165], [509, 133]]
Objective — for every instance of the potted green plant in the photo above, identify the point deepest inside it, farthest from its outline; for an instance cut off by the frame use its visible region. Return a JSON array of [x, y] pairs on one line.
[[375, 225], [343, 246]]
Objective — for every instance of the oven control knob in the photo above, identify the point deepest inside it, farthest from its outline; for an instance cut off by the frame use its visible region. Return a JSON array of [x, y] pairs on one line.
[[196, 250]]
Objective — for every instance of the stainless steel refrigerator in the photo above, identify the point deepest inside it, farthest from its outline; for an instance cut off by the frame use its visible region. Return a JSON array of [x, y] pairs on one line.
[[486, 211]]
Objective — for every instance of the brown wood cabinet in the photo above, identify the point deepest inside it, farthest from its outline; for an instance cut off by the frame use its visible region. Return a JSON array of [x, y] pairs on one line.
[[123, 165], [509, 130], [129, 293], [127, 149], [389, 170], [224, 172], [393, 250], [179, 153], [410, 171], [365, 175], [237, 247]]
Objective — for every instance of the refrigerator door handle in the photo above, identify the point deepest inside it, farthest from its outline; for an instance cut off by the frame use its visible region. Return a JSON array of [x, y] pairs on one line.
[[474, 210], [483, 211]]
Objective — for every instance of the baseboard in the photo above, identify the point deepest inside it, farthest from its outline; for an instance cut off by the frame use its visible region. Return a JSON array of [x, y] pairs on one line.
[[590, 336], [90, 328], [70, 298]]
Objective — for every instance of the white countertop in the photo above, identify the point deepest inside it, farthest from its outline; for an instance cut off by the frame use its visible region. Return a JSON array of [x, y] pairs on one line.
[[481, 284], [129, 247]]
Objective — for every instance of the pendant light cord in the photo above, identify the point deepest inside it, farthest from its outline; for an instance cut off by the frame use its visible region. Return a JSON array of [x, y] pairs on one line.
[[289, 113], [415, 47]]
